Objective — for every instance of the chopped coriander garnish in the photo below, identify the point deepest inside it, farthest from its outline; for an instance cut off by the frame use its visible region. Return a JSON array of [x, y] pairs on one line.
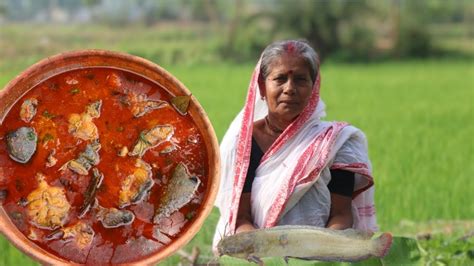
[[74, 91], [31, 135], [47, 137], [48, 114]]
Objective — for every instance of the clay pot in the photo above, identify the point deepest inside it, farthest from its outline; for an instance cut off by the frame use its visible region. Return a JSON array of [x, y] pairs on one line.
[[60, 63]]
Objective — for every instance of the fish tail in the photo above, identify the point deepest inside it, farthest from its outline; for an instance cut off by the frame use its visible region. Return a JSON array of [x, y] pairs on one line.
[[382, 245]]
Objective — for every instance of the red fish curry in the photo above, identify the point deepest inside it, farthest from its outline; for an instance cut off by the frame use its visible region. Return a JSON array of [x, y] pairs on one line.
[[100, 165]]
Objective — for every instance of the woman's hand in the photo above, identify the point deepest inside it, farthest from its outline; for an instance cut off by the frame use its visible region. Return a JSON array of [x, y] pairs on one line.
[[244, 216], [340, 216], [244, 227]]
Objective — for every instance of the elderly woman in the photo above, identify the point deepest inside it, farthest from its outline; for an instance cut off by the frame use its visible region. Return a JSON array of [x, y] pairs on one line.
[[281, 164]]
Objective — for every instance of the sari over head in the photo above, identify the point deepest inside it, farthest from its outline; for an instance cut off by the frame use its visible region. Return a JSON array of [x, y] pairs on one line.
[[290, 185]]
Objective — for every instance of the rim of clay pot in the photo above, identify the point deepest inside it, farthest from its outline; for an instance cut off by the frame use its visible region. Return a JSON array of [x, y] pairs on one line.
[[80, 59]]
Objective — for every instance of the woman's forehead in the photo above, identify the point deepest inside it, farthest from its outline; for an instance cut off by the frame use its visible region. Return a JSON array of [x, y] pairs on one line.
[[289, 63]]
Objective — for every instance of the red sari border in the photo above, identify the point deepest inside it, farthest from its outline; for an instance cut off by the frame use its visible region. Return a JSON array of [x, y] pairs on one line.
[[243, 149]]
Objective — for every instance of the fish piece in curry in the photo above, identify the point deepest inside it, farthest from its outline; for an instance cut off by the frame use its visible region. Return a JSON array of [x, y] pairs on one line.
[[28, 109], [81, 233], [135, 186], [151, 138], [140, 105], [81, 125], [179, 191], [21, 144], [113, 217], [47, 205], [86, 159]]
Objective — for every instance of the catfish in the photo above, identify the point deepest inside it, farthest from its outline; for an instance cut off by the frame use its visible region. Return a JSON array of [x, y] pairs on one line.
[[305, 242]]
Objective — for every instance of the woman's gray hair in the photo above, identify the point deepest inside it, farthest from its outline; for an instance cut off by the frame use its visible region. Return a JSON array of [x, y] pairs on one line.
[[276, 49]]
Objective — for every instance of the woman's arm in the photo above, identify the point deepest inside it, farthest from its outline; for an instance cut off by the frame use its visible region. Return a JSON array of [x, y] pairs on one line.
[[340, 216], [244, 216]]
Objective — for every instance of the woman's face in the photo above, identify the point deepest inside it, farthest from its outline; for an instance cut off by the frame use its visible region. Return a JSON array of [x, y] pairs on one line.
[[287, 87]]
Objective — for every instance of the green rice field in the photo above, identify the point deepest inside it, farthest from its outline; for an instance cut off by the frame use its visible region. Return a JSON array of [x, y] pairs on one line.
[[419, 120]]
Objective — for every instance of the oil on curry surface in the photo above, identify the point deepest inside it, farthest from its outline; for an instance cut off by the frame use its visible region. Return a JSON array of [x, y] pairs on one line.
[[95, 162]]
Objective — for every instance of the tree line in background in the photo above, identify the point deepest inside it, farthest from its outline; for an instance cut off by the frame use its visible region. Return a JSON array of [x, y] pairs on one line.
[[342, 29]]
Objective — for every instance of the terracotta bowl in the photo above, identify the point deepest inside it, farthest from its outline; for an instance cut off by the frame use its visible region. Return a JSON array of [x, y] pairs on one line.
[[64, 62]]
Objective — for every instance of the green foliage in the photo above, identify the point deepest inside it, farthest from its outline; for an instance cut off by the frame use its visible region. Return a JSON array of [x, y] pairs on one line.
[[449, 250], [346, 30], [91, 3], [349, 30], [404, 251], [413, 40], [164, 44], [322, 23], [3, 8], [11, 256], [358, 43], [250, 39]]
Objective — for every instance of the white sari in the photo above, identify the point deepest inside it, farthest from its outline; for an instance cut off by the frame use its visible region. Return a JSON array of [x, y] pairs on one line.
[[290, 185]]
